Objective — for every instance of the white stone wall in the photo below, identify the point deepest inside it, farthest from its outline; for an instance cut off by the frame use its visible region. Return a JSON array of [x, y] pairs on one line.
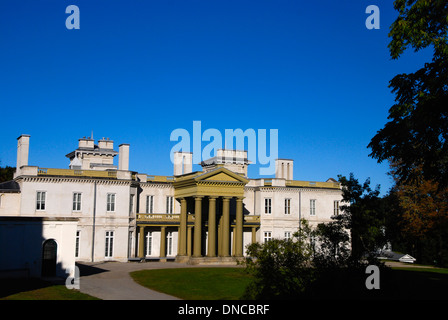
[[59, 203], [160, 191], [21, 244], [9, 204], [278, 222]]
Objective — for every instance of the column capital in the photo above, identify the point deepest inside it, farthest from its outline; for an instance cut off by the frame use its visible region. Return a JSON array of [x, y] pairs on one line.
[[226, 198], [212, 197], [198, 197], [240, 198]]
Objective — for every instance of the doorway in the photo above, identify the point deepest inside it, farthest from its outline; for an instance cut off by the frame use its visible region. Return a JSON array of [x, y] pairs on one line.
[[49, 255]]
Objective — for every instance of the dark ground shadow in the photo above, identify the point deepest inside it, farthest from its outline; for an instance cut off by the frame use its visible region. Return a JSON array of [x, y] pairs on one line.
[[12, 286], [86, 270]]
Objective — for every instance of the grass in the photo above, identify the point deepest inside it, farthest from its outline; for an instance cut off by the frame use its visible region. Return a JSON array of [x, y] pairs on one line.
[[36, 289], [196, 283], [230, 283], [417, 283]]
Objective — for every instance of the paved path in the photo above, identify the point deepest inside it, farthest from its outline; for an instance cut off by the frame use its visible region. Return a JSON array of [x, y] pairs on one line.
[[111, 280]]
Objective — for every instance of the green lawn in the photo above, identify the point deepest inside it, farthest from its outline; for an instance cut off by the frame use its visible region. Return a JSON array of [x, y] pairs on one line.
[[230, 283], [35, 289], [196, 283]]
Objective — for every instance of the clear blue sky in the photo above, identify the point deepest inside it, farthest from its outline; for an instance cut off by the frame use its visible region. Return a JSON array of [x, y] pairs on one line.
[[137, 70]]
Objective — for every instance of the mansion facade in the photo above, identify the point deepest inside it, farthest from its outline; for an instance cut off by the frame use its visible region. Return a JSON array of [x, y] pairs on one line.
[[97, 211]]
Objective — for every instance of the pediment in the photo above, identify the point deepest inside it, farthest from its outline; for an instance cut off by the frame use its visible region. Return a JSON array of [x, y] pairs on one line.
[[221, 174]]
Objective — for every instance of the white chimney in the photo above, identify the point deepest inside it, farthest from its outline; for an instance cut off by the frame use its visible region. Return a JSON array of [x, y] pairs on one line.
[[284, 169], [183, 163], [123, 157], [23, 147]]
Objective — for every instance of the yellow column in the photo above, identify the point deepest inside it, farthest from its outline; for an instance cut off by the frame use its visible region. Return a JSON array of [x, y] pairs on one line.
[[239, 227], [141, 242], [254, 234], [197, 226], [225, 230], [189, 241], [162, 242], [220, 236], [211, 252], [183, 228]]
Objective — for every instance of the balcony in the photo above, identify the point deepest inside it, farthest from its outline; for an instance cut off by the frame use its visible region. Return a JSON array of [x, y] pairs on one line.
[[174, 219]]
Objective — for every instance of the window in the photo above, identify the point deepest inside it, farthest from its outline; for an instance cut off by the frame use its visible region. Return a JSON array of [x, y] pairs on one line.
[[148, 243], [267, 205], [149, 204], [76, 201], [336, 207], [40, 200], [169, 247], [287, 235], [169, 204], [267, 236], [111, 202], [312, 207], [78, 236], [287, 206], [109, 244]]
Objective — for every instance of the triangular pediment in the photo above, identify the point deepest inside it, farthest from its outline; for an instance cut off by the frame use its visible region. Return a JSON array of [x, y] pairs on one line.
[[221, 174]]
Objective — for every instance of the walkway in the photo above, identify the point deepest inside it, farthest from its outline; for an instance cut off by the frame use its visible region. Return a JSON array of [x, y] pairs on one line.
[[111, 280]]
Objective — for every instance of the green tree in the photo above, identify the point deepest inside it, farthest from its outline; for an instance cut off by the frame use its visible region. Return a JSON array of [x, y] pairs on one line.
[[362, 214], [331, 244], [280, 267], [6, 173], [416, 135]]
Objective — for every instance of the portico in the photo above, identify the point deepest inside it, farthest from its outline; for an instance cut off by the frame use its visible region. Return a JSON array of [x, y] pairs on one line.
[[211, 221], [213, 197]]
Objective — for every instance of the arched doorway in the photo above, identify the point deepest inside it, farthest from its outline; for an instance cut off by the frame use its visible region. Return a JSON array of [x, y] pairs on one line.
[[49, 254]]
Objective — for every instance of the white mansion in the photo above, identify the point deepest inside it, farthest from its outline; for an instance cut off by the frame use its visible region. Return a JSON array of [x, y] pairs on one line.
[[96, 211]]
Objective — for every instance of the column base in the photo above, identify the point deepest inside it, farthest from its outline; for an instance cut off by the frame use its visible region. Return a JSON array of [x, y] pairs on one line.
[[182, 259], [231, 261]]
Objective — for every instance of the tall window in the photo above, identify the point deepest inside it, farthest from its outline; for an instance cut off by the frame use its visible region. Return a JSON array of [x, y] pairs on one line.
[[267, 205], [287, 235], [109, 244], [78, 236], [336, 207], [111, 202], [169, 204], [287, 206], [40, 200], [312, 207], [169, 243], [267, 236], [149, 204], [148, 243], [76, 201]]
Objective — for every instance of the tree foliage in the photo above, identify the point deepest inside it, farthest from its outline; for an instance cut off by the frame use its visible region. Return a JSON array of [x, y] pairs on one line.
[[6, 173], [364, 215], [423, 217], [280, 267], [417, 132], [320, 262]]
